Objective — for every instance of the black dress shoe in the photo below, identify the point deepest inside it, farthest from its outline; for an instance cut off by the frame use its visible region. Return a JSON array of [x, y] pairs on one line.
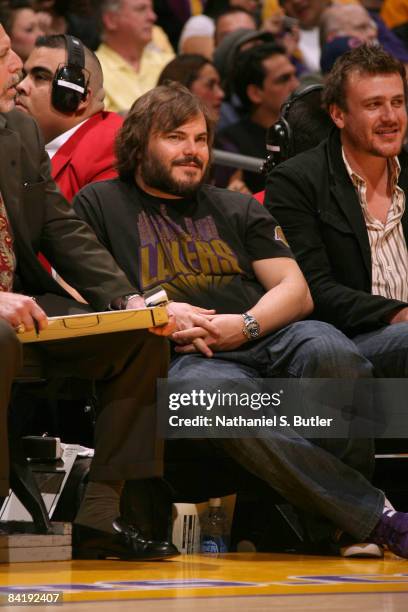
[[127, 544]]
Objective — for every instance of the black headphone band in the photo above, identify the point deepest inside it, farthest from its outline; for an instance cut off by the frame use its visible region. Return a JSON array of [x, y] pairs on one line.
[[279, 137], [70, 83], [75, 51], [295, 96], [75, 57]]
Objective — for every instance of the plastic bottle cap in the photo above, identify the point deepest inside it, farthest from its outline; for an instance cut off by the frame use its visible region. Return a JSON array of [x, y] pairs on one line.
[[214, 502]]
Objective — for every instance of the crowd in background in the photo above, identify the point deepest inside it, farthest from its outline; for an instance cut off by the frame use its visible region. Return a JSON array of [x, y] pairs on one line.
[[243, 57]]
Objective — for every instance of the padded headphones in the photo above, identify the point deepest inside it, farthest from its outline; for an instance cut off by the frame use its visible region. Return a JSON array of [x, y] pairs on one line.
[[279, 139], [70, 82]]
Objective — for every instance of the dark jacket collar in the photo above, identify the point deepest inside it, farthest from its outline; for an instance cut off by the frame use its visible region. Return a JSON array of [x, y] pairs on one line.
[[344, 193]]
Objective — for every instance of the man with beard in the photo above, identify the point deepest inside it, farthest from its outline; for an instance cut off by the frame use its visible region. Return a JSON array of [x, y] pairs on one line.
[[212, 248]]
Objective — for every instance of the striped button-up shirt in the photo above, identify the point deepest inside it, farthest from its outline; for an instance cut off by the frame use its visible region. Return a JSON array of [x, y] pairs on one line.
[[389, 255]]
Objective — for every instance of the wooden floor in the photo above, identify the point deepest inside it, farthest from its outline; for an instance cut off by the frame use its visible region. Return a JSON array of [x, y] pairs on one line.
[[247, 582]]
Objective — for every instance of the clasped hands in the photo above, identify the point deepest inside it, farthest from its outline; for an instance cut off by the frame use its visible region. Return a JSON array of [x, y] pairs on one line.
[[202, 330]]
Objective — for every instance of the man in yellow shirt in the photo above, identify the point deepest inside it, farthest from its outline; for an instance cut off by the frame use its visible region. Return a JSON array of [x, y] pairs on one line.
[[131, 63]]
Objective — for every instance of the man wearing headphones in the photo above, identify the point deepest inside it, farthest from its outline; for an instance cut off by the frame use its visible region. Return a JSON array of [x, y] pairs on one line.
[[302, 125], [63, 91], [34, 216]]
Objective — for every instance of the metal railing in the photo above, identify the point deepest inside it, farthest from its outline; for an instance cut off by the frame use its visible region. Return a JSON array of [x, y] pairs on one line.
[[238, 161]]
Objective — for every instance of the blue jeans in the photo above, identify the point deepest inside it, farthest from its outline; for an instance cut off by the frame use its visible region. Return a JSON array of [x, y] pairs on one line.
[[329, 478], [387, 349]]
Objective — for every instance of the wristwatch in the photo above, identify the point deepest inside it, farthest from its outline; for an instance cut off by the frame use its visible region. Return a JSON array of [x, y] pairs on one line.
[[121, 302], [156, 297], [251, 329]]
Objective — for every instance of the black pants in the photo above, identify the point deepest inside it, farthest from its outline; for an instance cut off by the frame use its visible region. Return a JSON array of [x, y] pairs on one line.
[[125, 367]]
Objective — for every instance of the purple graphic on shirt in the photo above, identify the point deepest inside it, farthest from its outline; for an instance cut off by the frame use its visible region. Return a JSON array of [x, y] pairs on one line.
[[190, 257]]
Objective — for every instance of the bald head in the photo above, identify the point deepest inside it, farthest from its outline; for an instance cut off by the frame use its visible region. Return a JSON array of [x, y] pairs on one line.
[[93, 66], [347, 20]]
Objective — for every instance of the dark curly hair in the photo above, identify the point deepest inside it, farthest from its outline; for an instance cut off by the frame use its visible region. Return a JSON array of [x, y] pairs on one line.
[[161, 109]]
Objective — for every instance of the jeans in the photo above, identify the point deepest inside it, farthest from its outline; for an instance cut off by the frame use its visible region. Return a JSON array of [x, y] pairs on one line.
[[387, 349], [329, 478]]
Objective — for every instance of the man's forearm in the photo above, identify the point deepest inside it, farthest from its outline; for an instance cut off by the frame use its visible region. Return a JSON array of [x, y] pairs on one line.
[[284, 304]]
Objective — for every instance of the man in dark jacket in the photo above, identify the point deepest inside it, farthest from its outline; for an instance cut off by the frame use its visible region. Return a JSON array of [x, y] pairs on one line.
[[342, 207], [34, 216]]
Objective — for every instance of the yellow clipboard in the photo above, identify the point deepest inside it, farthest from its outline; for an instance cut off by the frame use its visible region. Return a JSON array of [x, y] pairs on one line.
[[73, 326]]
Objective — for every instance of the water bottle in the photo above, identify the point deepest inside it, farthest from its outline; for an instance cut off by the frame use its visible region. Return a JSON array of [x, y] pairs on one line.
[[214, 528]]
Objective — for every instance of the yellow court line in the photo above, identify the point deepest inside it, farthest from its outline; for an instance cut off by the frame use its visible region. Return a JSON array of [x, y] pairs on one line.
[[194, 575]]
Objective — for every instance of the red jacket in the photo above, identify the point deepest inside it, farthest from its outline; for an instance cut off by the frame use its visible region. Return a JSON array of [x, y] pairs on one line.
[[88, 156]]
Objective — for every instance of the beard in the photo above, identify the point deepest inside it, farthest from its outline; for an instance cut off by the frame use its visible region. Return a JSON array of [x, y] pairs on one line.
[[375, 146], [157, 175]]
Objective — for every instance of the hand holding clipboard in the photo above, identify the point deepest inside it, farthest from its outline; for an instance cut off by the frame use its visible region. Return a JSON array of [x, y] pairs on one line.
[[72, 326]]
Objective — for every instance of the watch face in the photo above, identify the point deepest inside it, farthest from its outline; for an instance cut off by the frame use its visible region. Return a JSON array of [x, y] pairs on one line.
[[251, 327]]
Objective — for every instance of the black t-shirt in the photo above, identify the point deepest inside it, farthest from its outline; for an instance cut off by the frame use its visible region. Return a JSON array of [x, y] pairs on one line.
[[200, 249]]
